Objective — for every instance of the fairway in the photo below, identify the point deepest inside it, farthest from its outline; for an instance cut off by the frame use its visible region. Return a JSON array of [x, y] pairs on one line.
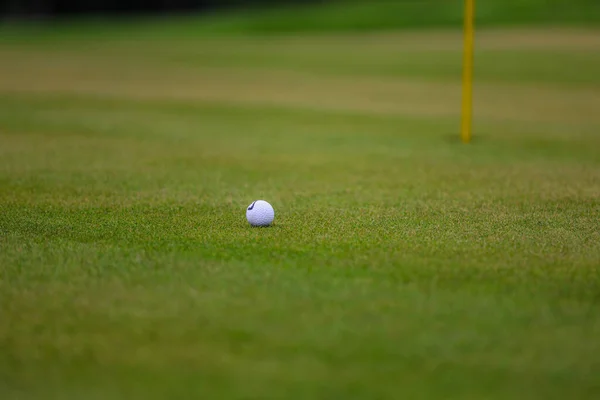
[[401, 264]]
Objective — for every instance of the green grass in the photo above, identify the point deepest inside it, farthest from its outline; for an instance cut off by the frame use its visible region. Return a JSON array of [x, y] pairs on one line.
[[331, 16], [402, 264]]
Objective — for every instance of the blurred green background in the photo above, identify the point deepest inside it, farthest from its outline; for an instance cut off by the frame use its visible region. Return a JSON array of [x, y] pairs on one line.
[[263, 17]]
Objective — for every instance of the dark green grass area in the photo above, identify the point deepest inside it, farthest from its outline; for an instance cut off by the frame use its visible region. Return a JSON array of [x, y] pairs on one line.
[[310, 18], [402, 263]]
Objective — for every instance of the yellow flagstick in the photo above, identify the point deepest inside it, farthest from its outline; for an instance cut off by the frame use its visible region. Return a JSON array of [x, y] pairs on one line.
[[467, 95]]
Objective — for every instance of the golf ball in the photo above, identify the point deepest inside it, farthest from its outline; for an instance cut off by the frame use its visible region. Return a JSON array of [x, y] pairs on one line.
[[260, 213]]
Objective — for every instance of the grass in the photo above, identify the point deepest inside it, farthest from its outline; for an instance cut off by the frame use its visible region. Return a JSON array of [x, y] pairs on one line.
[[317, 17], [401, 262]]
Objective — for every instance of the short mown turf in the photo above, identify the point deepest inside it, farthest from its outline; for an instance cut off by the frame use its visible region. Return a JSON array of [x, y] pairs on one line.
[[402, 263]]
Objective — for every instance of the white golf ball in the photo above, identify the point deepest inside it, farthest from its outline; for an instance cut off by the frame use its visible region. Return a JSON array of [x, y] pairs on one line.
[[260, 213]]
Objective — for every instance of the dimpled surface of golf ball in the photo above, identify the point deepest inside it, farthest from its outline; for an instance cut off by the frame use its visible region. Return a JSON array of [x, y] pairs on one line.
[[260, 213]]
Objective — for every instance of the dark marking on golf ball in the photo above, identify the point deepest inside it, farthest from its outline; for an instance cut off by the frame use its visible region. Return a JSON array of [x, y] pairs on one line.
[[251, 205]]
